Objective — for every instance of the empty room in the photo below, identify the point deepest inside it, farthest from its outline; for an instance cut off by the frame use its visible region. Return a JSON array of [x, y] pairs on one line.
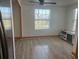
[[44, 30], [41, 29]]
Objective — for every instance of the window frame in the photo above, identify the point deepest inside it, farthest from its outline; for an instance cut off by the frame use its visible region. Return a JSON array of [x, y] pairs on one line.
[[42, 19]]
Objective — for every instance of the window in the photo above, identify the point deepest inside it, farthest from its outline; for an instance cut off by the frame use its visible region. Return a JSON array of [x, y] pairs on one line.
[[75, 18], [42, 19], [6, 17]]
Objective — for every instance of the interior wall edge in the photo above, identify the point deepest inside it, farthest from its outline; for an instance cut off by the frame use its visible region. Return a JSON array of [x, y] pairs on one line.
[[35, 36]]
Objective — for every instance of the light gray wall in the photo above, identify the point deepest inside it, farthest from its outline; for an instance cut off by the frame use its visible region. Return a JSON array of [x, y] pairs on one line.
[[70, 17], [57, 18], [60, 18]]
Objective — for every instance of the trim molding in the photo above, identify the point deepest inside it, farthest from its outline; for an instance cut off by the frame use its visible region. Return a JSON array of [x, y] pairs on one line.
[[35, 36], [20, 20]]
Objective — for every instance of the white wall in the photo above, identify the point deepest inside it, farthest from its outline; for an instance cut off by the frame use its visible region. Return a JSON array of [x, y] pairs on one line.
[[57, 18], [16, 18], [70, 17]]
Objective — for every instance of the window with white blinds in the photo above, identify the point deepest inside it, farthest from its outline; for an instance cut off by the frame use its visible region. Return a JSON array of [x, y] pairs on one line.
[[42, 17], [75, 18]]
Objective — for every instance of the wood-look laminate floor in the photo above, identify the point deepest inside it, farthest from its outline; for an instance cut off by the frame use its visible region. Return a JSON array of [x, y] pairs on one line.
[[43, 48]]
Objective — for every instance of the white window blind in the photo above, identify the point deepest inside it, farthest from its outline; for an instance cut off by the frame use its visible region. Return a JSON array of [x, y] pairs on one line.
[[42, 19]]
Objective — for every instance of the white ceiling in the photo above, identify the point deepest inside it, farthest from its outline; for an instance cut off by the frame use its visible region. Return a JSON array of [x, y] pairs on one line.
[[58, 2]]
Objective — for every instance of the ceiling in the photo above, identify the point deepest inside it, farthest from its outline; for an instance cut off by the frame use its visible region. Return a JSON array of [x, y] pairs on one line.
[[58, 2]]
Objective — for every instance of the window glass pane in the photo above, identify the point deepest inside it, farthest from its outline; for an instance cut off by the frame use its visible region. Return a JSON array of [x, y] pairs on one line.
[[5, 12], [6, 17], [42, 18], [41, 24], [7, 24], [36, 11]]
